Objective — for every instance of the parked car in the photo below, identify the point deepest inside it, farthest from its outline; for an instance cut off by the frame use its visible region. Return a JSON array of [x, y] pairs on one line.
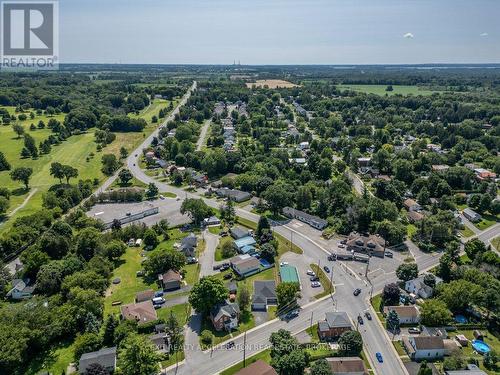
[[368, 315], [158, 301], [341, 245], [343, 242], [379, 357], [314, 278], [332, 257], [162, 197], [327, 270], [227, 276], [388, 254], [310, 273], [356, 291], [315, 284], [230, 345], [283, 263], [159, 293], [217, 267], [292, 314], [414, 330], [224, 268], [360, 319], [223, 233]]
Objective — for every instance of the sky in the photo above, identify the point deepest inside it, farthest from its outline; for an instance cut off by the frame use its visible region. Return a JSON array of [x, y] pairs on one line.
[[259, 32]]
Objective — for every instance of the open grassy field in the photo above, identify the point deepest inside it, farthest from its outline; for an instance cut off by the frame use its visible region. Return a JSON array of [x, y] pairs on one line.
[[79, 151], [496, 243], [381, 89], [271, 83], [53, 361], [486, 221]]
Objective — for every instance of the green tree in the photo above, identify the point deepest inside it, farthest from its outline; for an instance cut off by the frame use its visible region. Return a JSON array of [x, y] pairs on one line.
[[262, 225], [268, 252], [392, 322], [57, 171], [459, 294], [88, 243], [287, 294], [123, 152], [22, 174], [152, 191], [391, 294], [137, 356], [228, 212], [4, 205], [277, 198], [227, 249], [321, 367], [69, 172], [109, 164], [84, 343], [18, 129], [162, 260], [197, 209], [174, 332], [150, 239], [207, 293], [125, 176], [4, 164], [243, 297], [474, 247], [424, 369], [350, 344], [407, 271], [108, 335], [207, 337]]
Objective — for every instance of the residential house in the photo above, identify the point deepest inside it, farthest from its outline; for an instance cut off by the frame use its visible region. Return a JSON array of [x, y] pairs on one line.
[[304, 146], [234, 195], [471, 369], [472, 215], [364, 164], [435, 331], [299, 161], [21, 289], [188, 245], [145, 295], [484, 174], [407, 314], [314, 221], [245, 265], [238, 232], [424, 347], [434, 148], [419, 288], [257, 368], [412, 205], [105, 357], [372, 244], [225, 316], [414, 216], [347, 366], [161, 342], [440, 167], [211, 221], [334, 325], [142, 312], [264, 294], [245, 245], [171, 280]]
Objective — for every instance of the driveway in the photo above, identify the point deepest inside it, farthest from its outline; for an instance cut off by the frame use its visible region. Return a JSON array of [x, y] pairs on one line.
[[208, 256], [260, 317]]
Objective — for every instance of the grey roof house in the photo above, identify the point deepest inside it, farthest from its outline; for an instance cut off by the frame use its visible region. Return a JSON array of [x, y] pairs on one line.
[[106, 357], [188, 245], [264, 294], [21, 289], [313, 221], [234, 195]]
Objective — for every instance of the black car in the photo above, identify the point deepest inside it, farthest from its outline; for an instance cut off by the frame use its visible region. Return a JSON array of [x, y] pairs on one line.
[[223, 268], [356, 291], [314, 278], [360, 319], [291, 314], [327, 270], [332, 257], [230, 345], [227, 276], [368, 315]]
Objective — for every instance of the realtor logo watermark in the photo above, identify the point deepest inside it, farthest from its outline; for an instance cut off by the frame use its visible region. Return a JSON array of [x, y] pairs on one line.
[[30, 35]]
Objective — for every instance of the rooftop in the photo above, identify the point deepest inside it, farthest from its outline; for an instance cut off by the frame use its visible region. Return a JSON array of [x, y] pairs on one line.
[[289, 274]]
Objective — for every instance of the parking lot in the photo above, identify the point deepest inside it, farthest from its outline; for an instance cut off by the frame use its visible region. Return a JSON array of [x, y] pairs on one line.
[[169, 209], [302, 262]]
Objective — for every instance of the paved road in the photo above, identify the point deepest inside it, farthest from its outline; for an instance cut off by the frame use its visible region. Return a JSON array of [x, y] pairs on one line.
[[203, 134]]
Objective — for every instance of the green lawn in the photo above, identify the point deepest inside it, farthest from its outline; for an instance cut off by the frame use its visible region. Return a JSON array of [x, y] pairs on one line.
[[54, 361], [246, 322], [496, 242], [486, 221], [218, 251], [466, 232], [376, 301], [182, 312], [130, 284], [134, 182], [381, 89], [324, 280]]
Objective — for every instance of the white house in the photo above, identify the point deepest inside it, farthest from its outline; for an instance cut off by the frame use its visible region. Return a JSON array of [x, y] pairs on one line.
[[407, 314], [419, 288], [424, 347], [21, 289]]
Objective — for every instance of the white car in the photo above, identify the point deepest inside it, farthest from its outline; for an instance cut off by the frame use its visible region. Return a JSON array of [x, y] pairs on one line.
[[315, 284], [283, 263], [341, 245], [310, 273]]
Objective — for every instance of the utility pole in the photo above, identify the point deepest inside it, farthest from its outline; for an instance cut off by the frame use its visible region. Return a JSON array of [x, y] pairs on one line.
[[244, 349], [331, 282], [311, 324]]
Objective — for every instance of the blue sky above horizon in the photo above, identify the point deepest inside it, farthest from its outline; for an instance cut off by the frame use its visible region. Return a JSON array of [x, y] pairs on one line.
[[280, 31]]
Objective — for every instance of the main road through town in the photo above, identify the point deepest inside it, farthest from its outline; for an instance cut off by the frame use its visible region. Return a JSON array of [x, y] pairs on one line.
[[375, 338]]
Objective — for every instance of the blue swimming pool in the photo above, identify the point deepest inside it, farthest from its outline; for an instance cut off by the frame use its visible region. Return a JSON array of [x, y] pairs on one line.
[[480, 346]]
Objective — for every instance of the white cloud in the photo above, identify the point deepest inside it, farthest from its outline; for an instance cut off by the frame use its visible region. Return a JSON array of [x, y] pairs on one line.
[[483, 34], [408, 36]]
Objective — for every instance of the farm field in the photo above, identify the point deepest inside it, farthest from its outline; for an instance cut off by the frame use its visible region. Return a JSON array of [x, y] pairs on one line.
[[381, 89], [271, 83]]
